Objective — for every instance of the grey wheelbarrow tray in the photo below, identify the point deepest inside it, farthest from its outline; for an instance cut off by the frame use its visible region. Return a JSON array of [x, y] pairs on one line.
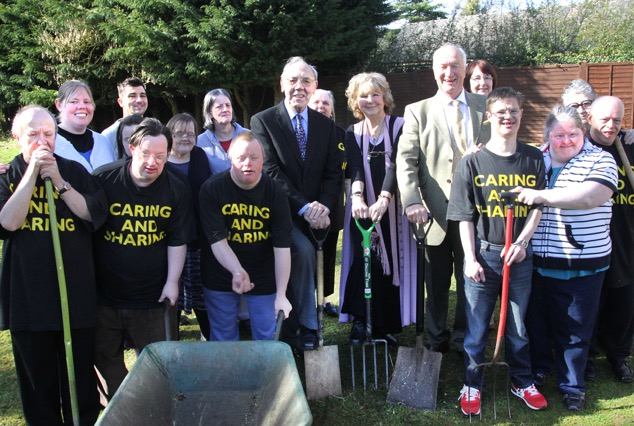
[[204, 383]]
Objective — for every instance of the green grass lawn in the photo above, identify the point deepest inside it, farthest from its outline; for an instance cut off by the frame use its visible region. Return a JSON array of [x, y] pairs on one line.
[[609, 403]]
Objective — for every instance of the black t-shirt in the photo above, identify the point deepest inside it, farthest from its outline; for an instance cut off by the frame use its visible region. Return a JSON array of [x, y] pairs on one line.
[[621, 272], [29, 289], [131, 247], [478, 182], [252, 220]]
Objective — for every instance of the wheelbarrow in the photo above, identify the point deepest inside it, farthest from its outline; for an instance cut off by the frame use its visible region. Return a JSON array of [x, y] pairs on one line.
[[219, 383]]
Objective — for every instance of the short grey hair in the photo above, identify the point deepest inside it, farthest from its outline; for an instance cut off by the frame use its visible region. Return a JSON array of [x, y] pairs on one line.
[[463, 54], [579, 87], [17, 127], [559, 114], [208, 103], [298, 60], [331, 96]]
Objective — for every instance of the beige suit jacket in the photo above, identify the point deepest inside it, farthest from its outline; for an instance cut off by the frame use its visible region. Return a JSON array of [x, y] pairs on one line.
[[425, 158]]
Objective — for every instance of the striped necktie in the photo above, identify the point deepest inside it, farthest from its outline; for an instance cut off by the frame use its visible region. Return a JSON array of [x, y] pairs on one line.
[[300, 134], [458, 127]]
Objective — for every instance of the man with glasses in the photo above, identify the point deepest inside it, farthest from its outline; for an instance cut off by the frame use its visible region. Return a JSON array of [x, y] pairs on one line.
[[475, 203], [579, 95], [300, 148], [140, 250], [436, 134]]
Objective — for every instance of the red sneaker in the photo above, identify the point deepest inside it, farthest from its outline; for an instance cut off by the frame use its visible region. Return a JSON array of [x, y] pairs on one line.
[[469, 401], [531, 396]]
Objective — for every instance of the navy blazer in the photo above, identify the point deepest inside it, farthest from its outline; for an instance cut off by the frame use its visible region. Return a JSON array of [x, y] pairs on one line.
[[319, 177]]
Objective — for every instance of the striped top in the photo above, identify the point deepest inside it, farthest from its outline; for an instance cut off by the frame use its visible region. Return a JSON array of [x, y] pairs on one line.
[[577, 239]]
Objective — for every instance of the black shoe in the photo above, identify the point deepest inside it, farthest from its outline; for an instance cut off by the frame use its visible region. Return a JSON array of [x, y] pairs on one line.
[[574, 402], [310, 342], [591, 371], [442, 347], [623, 372], [539, 379], [357, 332], [331, 310]]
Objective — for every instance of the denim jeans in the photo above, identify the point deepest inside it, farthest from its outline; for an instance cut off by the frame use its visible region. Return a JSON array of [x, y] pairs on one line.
[[223, 307], [480, 303], [564, 321]]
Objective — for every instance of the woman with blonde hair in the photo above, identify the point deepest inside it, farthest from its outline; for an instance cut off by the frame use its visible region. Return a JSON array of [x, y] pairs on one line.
[[371, 149]]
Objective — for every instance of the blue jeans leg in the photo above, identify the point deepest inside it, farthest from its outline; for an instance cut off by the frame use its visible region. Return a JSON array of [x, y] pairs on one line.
[[574, 305], [301, 289], [480, 303], [262, 315], [222, 308]]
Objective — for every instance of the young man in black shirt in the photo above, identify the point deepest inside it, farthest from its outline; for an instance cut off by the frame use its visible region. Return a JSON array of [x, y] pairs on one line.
[[501, 165], [140, 251], [247, 222], [29, 292]]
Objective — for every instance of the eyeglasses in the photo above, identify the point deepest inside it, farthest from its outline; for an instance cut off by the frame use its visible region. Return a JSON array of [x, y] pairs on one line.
[[502, 113], [585, 104], [480, 78], [159, 158], [305, 81], [184, 135]]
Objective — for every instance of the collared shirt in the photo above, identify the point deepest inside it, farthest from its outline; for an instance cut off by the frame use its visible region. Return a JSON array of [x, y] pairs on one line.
[[292, 114], [448, 109]]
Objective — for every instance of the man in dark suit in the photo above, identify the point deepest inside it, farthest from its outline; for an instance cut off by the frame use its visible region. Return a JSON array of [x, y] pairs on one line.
[[437, 132], [301, 154]]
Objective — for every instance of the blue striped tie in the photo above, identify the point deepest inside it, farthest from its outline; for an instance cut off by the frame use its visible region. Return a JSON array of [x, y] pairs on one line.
[[300, 134]]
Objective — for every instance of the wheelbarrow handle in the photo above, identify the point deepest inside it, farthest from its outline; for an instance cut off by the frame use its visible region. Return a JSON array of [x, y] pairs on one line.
[[168, 320], [278, 324]]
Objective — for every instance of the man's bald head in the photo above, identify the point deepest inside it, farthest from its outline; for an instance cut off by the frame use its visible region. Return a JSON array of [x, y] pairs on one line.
[[606, 118]]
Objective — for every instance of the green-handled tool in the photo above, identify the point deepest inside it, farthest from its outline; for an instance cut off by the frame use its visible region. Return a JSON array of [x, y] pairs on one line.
[[63, 298]]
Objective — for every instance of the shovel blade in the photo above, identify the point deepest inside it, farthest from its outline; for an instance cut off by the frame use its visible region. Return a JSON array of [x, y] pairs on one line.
[[323, 377], [415, 379]]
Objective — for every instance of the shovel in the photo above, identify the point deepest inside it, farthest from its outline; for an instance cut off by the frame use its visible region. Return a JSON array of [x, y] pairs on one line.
[[63, 297], [415, 379], [323, 377]]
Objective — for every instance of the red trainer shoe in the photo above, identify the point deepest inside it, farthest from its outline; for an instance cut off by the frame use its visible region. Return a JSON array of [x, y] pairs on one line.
[[469, 400], [531, 396]]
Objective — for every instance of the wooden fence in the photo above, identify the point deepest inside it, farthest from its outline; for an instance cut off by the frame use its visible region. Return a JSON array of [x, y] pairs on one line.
[[542, 86]]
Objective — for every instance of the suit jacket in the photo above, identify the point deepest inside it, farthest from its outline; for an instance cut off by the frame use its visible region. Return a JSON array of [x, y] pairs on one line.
[[425, 157], [318, 178]]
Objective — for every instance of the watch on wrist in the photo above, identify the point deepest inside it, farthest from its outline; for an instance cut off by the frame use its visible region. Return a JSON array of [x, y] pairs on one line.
[[65, 188], [521, 243]]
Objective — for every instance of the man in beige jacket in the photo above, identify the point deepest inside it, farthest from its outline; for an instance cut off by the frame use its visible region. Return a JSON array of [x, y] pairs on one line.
[[436, 134]]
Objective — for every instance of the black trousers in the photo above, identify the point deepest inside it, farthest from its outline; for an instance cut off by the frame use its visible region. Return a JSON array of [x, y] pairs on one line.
[[616, 322], [441, 262], [40, 364]]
